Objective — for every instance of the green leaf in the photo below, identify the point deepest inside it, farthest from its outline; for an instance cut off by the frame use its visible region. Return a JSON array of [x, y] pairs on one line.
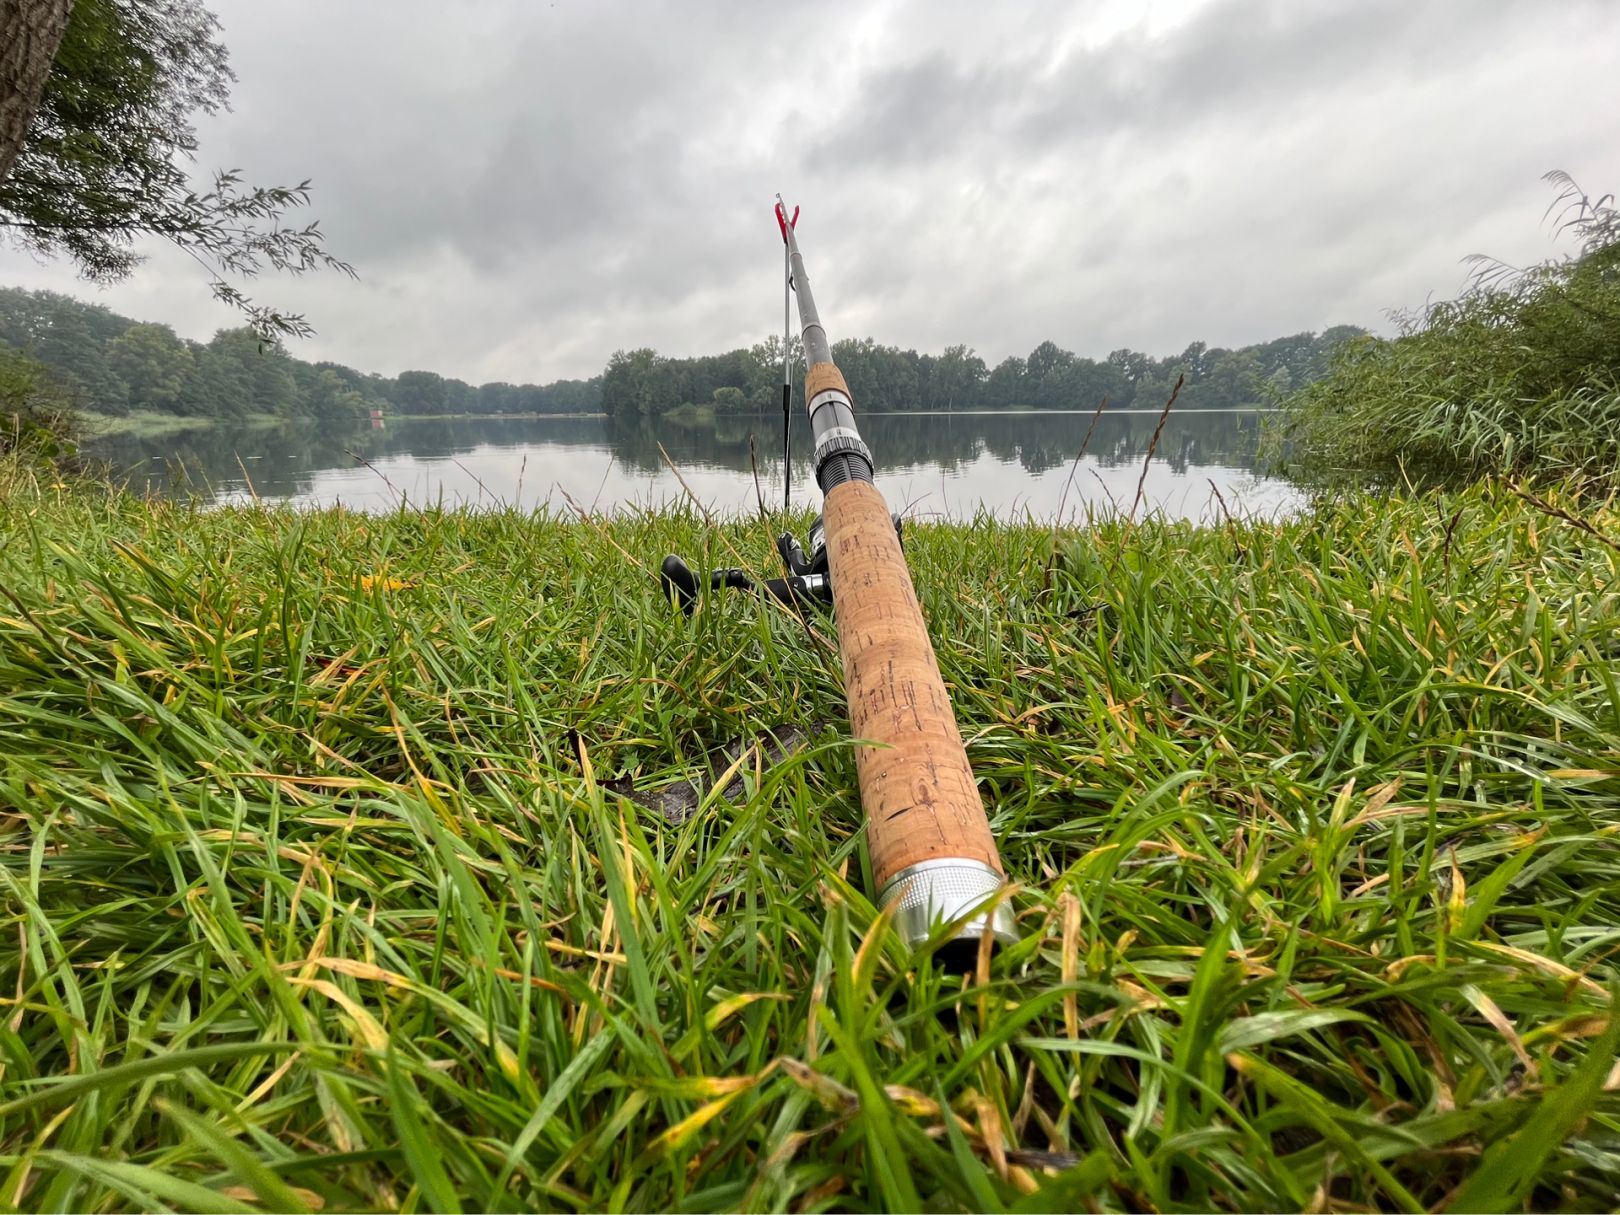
[[273, 1192], [1509, 1167], [427, 1170], [1242, 1033], [140, 1069]]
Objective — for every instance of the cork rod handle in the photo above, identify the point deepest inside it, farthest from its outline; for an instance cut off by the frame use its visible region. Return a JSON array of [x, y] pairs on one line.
[[921, 800]]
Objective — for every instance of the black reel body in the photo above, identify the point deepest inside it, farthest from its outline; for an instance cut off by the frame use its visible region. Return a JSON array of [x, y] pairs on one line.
[[807, 582]]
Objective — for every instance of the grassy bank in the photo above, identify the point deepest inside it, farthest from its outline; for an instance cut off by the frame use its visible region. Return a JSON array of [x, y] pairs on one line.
[[314, 894]]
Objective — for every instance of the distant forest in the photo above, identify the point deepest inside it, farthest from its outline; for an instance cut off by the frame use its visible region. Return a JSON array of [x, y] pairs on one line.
[[889, 379], [112, 365]]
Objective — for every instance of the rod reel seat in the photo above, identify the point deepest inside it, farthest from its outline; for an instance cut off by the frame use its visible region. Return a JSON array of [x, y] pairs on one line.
[[806, 582]]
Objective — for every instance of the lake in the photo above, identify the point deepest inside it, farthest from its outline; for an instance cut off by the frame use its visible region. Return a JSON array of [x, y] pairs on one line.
[[929, 464]]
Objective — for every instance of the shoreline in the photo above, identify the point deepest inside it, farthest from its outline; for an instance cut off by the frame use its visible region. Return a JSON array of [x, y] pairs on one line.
[[147, 424]]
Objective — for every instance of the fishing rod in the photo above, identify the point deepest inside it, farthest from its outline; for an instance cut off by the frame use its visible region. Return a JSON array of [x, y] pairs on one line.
[[933, 855]]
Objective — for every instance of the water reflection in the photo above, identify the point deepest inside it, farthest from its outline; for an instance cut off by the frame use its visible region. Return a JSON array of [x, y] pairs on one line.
[[953, 464]]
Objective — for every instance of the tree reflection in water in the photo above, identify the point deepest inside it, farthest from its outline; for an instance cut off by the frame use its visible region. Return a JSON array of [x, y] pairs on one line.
[[954, 463]]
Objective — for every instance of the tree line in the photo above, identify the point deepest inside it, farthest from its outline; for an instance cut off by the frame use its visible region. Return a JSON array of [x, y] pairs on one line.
[[111, 365], [889, 379]]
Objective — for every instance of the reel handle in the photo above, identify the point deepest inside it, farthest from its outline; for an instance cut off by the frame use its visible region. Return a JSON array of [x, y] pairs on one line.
[[681, 583]]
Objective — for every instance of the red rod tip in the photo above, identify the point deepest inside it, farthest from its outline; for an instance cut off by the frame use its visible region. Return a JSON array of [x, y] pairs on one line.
[[783, 222]]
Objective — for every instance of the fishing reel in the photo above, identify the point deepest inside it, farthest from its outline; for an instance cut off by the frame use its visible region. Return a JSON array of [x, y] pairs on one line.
[[807, 580]]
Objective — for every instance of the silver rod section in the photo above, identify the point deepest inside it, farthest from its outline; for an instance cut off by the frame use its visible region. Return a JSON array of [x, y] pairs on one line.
[[840, 455], [816, 347]]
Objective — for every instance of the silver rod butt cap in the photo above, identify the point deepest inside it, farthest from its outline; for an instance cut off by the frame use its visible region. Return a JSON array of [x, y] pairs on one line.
[[929, 893]]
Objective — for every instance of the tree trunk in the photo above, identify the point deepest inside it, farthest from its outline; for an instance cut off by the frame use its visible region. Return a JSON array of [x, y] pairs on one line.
[[30, 33]]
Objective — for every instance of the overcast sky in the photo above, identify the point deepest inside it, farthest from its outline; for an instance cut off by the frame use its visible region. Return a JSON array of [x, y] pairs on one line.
[[525, 186]]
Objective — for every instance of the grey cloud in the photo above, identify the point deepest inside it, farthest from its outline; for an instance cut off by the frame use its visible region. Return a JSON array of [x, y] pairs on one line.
[[1230, 60], [525, 186]]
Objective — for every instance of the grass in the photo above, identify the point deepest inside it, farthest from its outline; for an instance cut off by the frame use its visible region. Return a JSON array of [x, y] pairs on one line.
[[314, 897]]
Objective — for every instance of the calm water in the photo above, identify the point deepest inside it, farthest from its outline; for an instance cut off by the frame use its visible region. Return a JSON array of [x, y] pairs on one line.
[[952, 464]]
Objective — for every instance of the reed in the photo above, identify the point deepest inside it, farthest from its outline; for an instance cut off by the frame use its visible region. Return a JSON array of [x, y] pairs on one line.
[[1519, 377]]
